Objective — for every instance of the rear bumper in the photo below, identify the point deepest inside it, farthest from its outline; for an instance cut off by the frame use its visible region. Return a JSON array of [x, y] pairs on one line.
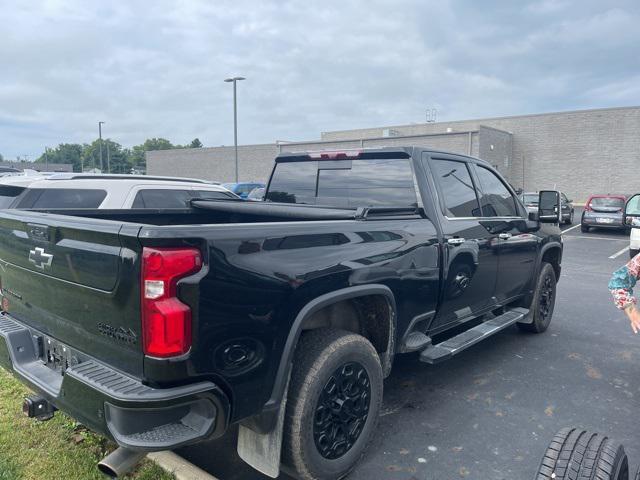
[[595, 222], [135, 415]]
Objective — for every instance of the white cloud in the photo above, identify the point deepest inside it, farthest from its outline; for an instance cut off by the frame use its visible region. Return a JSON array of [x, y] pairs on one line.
[[156, 69]]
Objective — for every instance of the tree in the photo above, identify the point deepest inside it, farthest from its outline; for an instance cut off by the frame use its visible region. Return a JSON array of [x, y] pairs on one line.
[[115, 159], [64, 153], [137, 152], [1, 158], [195, 143]]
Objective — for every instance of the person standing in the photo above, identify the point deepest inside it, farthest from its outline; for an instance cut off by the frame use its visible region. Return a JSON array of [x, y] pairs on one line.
[[621, 286]]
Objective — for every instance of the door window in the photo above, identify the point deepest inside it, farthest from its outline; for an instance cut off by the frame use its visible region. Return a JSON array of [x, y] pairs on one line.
[[62, 198], [162, 198], [495, 198], [457, 188]]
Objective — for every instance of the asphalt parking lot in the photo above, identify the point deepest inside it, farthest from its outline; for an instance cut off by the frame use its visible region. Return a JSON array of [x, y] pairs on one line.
[[490, 412]]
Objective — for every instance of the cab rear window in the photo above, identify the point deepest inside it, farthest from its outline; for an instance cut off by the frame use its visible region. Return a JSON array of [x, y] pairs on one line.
[[344, 183], [62, 198]]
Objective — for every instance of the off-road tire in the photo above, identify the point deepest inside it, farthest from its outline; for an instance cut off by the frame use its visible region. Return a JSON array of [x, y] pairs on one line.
[[541, 319], [319, 355], [576, 454]]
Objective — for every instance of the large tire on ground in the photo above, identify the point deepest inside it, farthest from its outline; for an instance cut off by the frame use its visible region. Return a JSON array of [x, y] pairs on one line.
[[584, 228], [544, 300], [633, 253], [576, 454], [334, 400]]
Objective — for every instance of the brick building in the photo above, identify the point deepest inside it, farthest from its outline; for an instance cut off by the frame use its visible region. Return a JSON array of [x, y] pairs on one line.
[[579, 152]]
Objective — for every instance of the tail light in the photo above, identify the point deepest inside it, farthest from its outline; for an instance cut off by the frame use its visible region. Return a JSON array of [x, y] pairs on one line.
[[342, 155], [166, 321]]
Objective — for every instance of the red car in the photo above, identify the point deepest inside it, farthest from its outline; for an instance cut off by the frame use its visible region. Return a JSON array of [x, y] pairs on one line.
[[604, 211]]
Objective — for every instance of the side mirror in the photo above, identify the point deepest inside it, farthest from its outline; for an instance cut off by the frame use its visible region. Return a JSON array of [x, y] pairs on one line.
[[549, 206], [533, 216], [631, 216]]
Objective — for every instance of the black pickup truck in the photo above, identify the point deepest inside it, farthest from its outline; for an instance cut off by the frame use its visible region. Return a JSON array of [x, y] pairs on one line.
[[162, 328]]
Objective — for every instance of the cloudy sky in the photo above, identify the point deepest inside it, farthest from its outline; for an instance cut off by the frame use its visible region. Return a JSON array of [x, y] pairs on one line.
[[156, 68]]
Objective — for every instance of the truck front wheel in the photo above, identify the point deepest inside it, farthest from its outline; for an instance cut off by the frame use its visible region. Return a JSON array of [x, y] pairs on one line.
[[334, 399], [544, 300]]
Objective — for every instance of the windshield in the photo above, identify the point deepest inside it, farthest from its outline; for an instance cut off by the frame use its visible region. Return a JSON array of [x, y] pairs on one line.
[[530, 198], [612, 202]]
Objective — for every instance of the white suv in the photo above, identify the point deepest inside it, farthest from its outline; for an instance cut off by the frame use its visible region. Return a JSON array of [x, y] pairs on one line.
[[112, 192]]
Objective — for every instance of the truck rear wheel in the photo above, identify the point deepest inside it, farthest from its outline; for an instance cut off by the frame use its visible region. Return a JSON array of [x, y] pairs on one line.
[[581, 455], [334, 399], [544, 300]]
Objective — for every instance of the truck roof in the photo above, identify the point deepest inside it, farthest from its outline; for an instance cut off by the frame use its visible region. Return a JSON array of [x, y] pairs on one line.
[[365, 152]]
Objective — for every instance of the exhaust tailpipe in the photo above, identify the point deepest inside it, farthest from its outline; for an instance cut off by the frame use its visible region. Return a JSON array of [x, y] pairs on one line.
[[119, 462]]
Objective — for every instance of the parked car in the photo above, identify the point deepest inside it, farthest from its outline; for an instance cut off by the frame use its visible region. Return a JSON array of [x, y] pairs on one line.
[[603, 211], [108, 192], [244, 188], [530, 200], [632, 220], [282, 316], [257, 194], [8, 170]]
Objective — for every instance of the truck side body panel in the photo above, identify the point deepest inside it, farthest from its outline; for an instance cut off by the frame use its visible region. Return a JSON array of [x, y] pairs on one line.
[[259, 279]]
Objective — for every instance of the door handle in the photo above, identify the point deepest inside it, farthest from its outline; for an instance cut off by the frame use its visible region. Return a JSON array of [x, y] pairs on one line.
[[456, 241], [504, 236]]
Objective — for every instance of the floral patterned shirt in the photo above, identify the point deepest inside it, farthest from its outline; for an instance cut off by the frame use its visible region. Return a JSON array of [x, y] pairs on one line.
[[623, 281]]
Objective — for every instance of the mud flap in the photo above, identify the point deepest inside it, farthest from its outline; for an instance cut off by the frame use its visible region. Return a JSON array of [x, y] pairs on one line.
[[262, 451]]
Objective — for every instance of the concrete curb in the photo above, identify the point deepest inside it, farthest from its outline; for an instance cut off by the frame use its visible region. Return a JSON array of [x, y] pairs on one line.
[[179, 467]]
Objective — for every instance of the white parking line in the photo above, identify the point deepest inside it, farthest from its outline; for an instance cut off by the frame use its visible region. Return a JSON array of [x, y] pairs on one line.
[[590, 237], [617, 254], [569, 229]]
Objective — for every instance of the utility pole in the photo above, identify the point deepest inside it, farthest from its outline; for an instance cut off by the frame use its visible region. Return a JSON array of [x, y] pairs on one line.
[[100, 136], [108, 159], [235, 119]]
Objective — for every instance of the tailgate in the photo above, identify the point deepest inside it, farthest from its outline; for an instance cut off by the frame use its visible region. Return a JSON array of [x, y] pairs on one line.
[[75, 280]]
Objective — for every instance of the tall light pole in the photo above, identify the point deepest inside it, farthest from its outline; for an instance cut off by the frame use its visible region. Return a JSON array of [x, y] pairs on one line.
[[100, 136], [235, 118]]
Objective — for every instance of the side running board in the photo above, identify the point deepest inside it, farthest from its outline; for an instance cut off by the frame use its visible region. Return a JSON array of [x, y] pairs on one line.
[[454, 345]]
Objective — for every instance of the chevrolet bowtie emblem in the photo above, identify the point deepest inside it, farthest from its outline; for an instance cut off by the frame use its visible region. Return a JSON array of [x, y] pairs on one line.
[[39, 258]]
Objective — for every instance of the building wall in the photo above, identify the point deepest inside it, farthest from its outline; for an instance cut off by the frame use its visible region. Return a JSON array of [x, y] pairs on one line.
[[217, 163], [51, 167], [579, 152], [255, 162]]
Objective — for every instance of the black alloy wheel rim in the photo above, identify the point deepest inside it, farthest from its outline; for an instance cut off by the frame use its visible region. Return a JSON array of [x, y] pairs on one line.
[[342, 410], [545, 303]]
